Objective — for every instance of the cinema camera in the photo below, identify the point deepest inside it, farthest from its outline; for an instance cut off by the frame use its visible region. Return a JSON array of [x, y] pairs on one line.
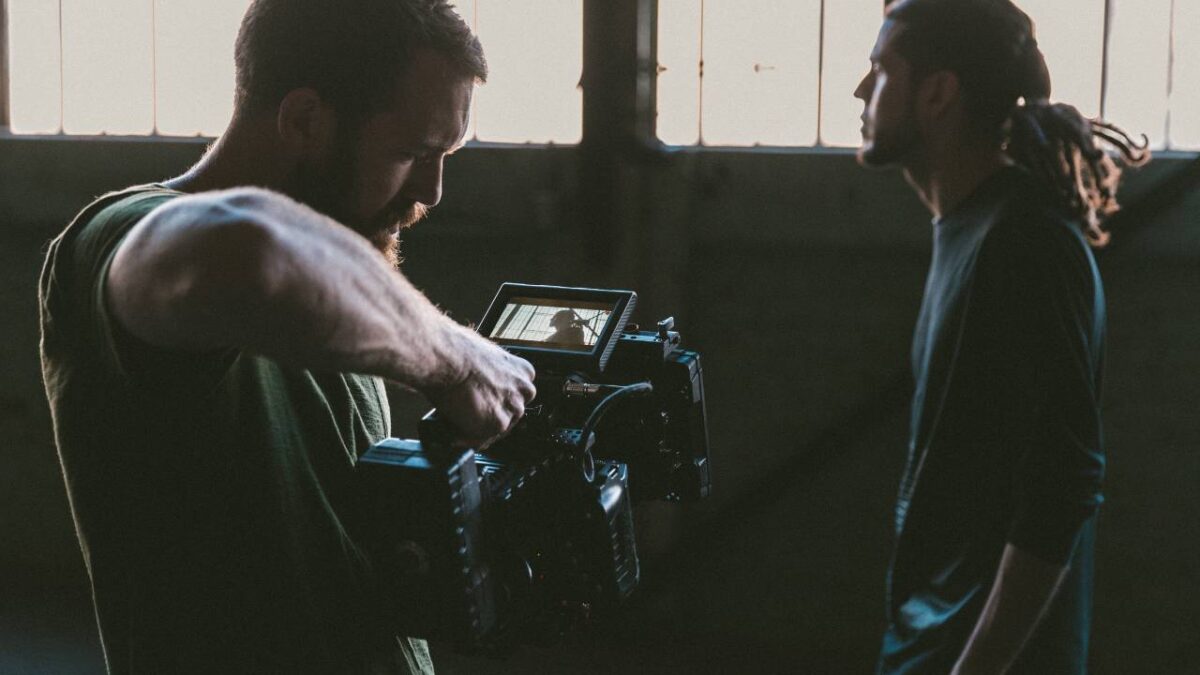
[[534, 537]]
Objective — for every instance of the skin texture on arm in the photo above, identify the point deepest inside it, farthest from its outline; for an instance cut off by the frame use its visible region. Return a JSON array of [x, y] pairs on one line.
[[1020, 596], [254, 270]]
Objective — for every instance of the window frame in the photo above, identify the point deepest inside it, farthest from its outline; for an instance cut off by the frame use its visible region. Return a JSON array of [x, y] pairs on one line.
[[638, 105]]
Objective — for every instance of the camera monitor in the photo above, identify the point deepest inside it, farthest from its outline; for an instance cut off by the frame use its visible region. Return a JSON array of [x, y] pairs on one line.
[[558, 327]]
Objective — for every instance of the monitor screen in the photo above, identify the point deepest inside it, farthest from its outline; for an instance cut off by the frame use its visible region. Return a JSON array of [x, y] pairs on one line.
[[552, 323]]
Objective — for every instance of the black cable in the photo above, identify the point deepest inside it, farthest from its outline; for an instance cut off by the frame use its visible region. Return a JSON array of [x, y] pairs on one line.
[[593, 420]]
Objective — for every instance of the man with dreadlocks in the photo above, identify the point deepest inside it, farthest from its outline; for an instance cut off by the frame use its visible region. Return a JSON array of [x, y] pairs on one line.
[[995, 519]]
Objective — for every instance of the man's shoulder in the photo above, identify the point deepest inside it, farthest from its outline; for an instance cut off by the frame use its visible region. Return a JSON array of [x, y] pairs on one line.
[[100, 225], [1035, 247], [1031, 223], [120, 208], [76, 259]]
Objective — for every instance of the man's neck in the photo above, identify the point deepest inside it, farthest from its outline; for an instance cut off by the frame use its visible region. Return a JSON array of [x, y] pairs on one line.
[[946, 180], [240, 158]]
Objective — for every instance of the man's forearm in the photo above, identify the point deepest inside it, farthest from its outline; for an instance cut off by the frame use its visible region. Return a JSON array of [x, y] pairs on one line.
[[254, 270], [1021, 593]]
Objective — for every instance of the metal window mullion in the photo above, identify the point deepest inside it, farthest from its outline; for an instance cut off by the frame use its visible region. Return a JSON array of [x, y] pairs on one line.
[[153, 67], [5, 117], [1105, 50], [62, 76], [1170, 77], [821, 79], [700, 88]]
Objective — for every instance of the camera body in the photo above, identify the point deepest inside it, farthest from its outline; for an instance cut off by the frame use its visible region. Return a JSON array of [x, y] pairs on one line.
[[533, 537]]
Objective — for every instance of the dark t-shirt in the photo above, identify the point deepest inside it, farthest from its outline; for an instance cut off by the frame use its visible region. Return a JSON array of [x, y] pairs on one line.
[[208, 489], [1005, 441]]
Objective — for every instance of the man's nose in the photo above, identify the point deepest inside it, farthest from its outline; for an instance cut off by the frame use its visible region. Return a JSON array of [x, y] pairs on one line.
[[425, 183], [860, 92]]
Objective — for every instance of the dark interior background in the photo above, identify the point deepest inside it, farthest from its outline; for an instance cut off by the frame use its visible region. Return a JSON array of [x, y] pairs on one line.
[[797, 275]]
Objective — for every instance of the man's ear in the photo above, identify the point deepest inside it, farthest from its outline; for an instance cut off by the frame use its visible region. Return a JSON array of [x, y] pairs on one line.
[[306, 124], [939, 94]]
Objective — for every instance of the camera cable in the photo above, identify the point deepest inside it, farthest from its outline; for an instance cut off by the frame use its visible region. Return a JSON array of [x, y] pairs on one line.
[[586, 434]]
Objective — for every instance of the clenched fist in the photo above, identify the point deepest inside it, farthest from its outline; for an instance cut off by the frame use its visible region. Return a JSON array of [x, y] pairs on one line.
[[490, 399]]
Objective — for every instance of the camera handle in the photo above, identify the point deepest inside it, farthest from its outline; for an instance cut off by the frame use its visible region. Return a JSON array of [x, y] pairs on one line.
[[437, 437]]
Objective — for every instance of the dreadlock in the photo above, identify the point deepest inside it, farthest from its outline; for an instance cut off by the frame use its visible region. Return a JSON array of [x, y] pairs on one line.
[[992, 47]]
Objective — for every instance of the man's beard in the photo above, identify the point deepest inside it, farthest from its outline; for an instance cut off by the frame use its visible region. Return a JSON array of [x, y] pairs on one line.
[[328, 188], [384, 231], [894, 145]]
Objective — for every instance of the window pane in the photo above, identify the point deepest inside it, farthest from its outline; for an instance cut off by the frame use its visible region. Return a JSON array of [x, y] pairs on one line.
[[195, 64], [108, 83], [679, 79], [1185, 100], [534, 50], [1071, 35], [1138, 65], [34, 82], [761, 72], [851, 27]]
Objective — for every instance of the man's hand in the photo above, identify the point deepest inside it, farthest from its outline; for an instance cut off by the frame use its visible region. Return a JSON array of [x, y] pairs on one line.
[[490, 398]]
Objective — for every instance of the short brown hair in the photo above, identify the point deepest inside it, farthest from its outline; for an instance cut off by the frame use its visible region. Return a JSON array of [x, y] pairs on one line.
[[349, 51]]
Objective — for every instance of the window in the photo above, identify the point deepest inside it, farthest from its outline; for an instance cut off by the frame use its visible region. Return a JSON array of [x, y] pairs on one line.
[[768, 67], [759, 80], [122, 66], [732, 72], [534, 50], [166, 67]]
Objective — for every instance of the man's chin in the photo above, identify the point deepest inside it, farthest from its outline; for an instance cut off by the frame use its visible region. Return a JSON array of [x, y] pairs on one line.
[[387, 242], [869, 156], [872, 156], [386, 239]]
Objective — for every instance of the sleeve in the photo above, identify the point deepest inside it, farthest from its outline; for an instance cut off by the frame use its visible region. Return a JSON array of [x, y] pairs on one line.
[[1050, 321], [89, 257], [121, 354]]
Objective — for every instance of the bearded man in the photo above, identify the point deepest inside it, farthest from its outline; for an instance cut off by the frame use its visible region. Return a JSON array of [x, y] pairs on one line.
[[995, 521], [214, 349]]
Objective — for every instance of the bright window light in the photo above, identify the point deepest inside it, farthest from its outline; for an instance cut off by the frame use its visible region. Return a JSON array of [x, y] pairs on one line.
[[166, 66], [1185, 97], [34, 82], [761, 70], [1071, 35], [851, 27], [679, 72], [108, 78], [184, 30], [534, 50], [1138, 66]]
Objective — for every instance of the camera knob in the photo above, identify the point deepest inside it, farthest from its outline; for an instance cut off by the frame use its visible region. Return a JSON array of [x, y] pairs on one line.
[[665, 327]]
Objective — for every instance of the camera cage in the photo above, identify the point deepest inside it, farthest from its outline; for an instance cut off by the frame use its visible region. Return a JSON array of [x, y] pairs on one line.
[[533, 538]]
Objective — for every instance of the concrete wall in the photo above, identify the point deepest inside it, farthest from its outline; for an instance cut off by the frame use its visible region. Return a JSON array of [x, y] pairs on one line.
[[797, 275]]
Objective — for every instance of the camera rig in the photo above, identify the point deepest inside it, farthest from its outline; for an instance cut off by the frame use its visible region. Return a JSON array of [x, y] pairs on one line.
[[534, 536]]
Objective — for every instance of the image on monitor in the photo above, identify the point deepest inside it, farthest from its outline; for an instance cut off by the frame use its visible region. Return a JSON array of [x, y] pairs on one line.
[[574, 325]]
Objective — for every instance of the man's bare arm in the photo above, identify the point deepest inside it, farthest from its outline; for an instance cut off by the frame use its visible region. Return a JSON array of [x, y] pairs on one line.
[[254, 270], [1020, 595]]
